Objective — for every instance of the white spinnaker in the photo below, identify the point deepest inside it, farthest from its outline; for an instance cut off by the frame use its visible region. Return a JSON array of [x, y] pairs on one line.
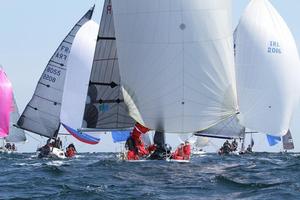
[[78, 74], [268, 69], [176, 62]]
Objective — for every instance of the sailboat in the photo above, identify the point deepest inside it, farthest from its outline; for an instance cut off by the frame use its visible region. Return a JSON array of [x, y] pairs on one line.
[[199, 144], [287, 141], [42, 114], [9, 134], [267, 91]]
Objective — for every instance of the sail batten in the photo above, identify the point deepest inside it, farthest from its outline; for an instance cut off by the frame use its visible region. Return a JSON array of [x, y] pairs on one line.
[[105, 107], [42, 114]]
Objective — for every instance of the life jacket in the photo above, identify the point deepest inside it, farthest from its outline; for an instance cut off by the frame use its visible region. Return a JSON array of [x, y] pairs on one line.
[[131, 155], [178, 154], [70, 152], [187, 151], [151, 148]]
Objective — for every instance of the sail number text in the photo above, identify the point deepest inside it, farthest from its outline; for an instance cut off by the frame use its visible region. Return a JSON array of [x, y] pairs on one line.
[[52, 71], [274, 47], [63, 53], [49, 78]]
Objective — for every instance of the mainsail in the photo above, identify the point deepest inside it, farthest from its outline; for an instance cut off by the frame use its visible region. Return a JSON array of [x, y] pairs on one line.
[[42, 113], [15, 134], [227, 129], [5, 103], [268, 68], [105, 108], [176, 62], [287, 141]]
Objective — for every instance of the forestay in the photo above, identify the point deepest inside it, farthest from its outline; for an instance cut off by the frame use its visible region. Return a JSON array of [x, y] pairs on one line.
[[176, 62], [268, 69], [42, 114], [15, 134], [105, 108]]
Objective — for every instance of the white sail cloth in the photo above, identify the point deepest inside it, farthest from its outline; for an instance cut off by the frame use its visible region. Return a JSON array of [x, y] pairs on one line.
[[15, 134], [78, 74], [176, 62], [268, 69]]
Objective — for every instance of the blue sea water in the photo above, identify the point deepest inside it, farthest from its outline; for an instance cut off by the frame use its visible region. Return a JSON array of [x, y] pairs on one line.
[[103, 176]]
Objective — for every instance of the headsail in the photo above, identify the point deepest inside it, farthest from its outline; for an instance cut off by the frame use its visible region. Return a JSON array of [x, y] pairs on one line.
[[287, 141], [176, 62], [78, 74], [105, 108], [42, 114], [15, 134], [268, 68], [5, 103]]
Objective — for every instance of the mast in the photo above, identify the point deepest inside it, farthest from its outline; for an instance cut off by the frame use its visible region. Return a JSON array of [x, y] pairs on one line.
[[42, 113], [105, 108]]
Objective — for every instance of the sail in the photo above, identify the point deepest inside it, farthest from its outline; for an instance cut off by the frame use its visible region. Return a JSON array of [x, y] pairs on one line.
[[78, 74], [105, 108], [15, 134], [287, 141], [176, 62], [42, 113], [268, 68], [201, 142], [5, 103], [273, 140], [83, 137], [229, 128]]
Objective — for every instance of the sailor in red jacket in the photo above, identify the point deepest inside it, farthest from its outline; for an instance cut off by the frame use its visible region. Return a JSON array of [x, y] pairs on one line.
[[186, 150], [136, 135], [178, 154]]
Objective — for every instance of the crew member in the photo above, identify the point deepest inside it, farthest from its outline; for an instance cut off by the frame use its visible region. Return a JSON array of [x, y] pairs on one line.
[[187, 150], [179, 154]]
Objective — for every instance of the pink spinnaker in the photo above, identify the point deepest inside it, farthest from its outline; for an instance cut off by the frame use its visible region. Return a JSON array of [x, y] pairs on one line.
[[5, 103]]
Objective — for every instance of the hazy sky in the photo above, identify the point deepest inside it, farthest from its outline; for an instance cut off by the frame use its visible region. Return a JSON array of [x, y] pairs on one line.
[[31, 30]]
